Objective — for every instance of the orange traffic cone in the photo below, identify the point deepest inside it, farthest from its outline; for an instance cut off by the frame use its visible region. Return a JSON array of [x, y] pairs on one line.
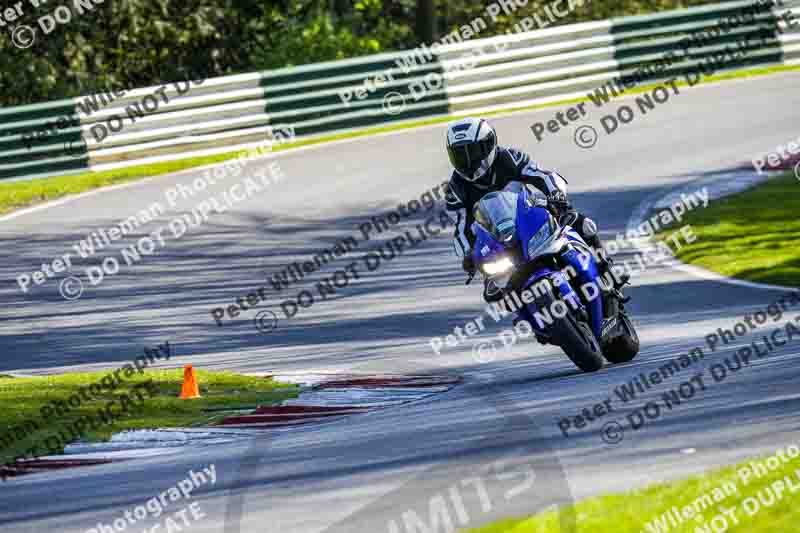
[[190, 388]]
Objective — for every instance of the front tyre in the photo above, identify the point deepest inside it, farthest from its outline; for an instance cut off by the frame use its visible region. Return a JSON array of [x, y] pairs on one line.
[[579, 343]]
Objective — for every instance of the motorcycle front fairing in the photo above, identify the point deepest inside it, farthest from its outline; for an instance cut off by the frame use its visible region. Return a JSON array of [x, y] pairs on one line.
[[587, 275], [489, 250], [495, 251], [539, 236], [572, 250], [535, 233]]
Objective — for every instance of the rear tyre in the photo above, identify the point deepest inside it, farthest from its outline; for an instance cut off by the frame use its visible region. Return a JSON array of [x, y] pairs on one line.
[[579, 343], [625, 346]]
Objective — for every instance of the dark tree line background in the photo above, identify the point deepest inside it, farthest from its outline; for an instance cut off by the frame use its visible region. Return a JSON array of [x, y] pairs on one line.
[[135, 43]]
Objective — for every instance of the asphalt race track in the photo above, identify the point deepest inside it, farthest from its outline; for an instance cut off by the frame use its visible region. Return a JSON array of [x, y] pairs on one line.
[[498, 431]]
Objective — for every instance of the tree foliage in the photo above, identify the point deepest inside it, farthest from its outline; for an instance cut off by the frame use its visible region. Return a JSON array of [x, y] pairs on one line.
[[135, 43]]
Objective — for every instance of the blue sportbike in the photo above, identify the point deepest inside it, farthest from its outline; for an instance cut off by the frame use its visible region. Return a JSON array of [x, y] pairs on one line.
[[549, 276]]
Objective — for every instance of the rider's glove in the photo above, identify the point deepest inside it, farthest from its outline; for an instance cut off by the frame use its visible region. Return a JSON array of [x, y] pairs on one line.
[[558, 201], [468, 264]]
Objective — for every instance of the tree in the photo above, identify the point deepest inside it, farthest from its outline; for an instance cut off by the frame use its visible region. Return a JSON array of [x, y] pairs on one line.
[[341, 7], [426, 21]]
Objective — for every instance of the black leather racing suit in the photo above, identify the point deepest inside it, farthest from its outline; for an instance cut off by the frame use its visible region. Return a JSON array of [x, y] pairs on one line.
[[513, 165]]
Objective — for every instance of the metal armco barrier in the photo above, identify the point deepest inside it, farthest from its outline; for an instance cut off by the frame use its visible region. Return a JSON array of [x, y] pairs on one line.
[[190, 118]]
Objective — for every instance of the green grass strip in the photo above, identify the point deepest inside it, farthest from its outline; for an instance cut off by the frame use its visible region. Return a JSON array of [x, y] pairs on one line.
[[21, 400], [750, 236], [21, 194], [737, 490], [17, 195]]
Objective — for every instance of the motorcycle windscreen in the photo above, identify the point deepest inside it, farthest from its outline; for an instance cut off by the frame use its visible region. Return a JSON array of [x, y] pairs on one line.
[[536, 229], [497, 214]]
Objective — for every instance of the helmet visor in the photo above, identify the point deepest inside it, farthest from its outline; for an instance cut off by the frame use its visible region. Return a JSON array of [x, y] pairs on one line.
[[468, 157]]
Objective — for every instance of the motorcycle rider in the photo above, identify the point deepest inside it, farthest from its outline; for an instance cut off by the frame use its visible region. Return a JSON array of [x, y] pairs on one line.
[[481, 167]]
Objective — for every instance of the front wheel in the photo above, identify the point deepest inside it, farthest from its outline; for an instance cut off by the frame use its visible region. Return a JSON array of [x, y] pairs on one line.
[[579, 343]]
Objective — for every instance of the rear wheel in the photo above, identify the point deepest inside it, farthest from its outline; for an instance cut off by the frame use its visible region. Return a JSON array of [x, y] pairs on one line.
[[624, 347]]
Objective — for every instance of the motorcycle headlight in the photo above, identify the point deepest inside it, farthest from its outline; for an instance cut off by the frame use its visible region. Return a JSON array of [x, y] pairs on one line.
[[541, 237], [498, 267]]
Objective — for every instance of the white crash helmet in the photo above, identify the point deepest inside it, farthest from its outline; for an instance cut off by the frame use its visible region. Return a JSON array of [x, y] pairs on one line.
[[471, 147]]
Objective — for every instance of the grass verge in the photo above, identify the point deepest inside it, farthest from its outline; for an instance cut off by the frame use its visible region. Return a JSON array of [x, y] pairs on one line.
[[22, 399], [21, 194], [735, 490], [18, 195], [750, 236]]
